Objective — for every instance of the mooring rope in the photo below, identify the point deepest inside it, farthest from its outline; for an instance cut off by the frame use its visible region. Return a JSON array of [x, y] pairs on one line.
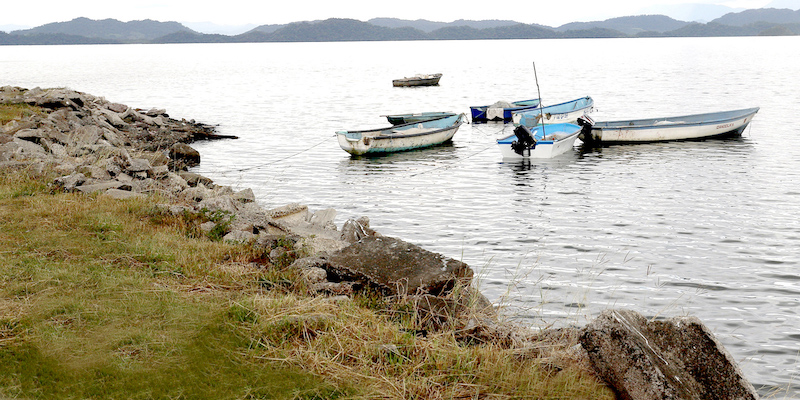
[[495, 133], [460, 159], [283, 159], [451, 164]]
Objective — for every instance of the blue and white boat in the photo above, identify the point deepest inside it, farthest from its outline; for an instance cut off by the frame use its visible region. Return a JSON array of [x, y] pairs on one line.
[[686, 127], [542, 141], [397, 138], [501, 110], [566, 112]]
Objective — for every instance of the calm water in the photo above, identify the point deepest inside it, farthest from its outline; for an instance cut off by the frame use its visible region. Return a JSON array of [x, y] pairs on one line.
[[709, 229]]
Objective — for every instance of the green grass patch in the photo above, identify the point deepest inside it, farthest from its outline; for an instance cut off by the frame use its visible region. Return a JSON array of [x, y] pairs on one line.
[[105, 299], [11, 112]]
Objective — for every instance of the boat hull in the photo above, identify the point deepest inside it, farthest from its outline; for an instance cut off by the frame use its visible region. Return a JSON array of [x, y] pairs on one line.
[[423, 80], [399, 138], [552, 141], [567, 112], [689, 127], [489, 113]]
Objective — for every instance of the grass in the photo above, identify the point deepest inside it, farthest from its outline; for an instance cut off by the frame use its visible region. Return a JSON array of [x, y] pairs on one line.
[[10, 112], [116, 299], [107, 299]]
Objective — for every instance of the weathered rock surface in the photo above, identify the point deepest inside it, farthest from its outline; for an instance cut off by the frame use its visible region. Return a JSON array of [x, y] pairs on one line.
[[397, 267], [354, 230], [671, 359], [78, 120], [184, 155]]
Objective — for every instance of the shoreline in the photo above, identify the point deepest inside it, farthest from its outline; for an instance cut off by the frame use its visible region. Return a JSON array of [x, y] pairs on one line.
[[113, 150]]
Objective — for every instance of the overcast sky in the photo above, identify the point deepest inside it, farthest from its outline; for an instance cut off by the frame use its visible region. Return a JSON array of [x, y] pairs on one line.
[[240, 12]]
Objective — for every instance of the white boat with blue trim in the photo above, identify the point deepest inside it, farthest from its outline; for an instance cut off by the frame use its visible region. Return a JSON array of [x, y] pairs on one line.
[[542, 141], [566, 112], [403, 137], [686, 127]]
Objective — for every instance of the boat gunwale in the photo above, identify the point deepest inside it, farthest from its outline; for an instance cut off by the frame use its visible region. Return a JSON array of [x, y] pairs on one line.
[[504, 139], [381, 136], [402, 136], [554, 145], [543, 110], [428, 116], [625, 124]]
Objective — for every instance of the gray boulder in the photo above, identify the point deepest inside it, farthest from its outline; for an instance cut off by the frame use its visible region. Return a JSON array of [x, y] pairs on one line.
[[122, 194], [31, 135], [193, 179], [64, 120], [24, 149], [396, 267], [139, 165], [677, 358], [239, 237], [354, 230], [223, 204], [183, 156], [324, 219], [245, 196], [117, 108], [196, 194], [291, 214], [113, 118], [99, 187], [69, 183], [56, 149], [87, 135]]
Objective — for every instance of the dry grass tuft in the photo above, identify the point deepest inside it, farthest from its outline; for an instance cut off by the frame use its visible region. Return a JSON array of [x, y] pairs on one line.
[[15, 112]]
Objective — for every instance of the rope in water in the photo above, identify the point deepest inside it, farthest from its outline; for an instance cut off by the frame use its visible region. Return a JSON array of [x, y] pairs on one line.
[[461, 159], [329, 138], [282, 159]]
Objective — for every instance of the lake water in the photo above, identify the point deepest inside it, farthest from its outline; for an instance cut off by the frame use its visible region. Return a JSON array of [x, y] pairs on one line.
[[709, 229]]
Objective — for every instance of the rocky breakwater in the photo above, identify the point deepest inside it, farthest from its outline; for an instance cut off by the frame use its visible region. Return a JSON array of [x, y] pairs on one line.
[[109, 149]]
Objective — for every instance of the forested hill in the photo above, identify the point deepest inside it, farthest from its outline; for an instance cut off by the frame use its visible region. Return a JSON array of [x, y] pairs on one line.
[[87, 31]]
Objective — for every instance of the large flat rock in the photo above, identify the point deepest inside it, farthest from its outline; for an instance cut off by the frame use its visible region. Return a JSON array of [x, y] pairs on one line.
[[677, 358], [398, 267]]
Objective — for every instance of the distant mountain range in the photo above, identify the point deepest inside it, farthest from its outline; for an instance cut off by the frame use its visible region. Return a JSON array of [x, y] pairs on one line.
[[107, 29], [765, 21]]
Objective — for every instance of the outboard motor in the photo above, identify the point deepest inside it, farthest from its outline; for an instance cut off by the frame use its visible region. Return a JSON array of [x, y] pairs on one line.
[[524, 140], [586, 122]]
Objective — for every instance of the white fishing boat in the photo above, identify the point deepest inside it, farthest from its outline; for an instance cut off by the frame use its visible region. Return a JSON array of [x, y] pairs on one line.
[[542, 141], [400, 137], [687, 127]]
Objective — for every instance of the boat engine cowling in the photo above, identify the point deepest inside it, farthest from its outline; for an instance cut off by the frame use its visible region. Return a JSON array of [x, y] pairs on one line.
[[586, 122], [524, 139]]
